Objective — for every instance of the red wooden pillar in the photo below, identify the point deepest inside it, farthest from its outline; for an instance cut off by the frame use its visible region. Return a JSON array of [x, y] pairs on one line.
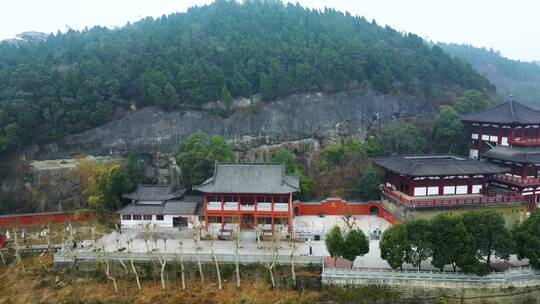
[[290, 218], [205, 203], [469, 185], [222, 213], [272, 214], [499, 136]]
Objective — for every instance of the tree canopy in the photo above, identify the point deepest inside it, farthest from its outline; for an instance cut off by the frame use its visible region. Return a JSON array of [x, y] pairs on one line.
[[197, 154], [448, 132], [467, 241], [76, 80], [354, 243], [527, 238]]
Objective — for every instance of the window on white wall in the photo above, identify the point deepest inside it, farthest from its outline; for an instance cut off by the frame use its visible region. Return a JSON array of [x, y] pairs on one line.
[[461, 189], [476, 188], [420, 191], [449, 190], [432, 190]]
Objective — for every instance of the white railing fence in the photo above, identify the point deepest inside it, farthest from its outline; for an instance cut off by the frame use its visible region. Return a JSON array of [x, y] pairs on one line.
[[188, 257], [331, 275]]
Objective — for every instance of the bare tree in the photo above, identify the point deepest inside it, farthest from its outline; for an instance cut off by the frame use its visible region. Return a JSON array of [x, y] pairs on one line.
[[2, 257], [49, 241], [236, 252], [258, 232], [349, 219], [197, 240], [18, 251], [292, 250], [215, 262], [130, 254], [102, 257], [160, 258], [181, 250], [117, 240], [273, 248]]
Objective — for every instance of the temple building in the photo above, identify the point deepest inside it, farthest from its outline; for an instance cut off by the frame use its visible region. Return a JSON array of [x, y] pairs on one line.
[[159, 206], [248, 195], [506, 124], [509, 135], [423, 186]]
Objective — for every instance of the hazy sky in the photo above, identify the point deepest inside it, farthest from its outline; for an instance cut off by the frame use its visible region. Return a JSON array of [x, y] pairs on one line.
[[513, 27]]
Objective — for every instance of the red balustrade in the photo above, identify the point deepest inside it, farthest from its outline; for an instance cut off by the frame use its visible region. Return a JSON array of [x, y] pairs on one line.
[[524, 141], [448, 202], [518, 180]]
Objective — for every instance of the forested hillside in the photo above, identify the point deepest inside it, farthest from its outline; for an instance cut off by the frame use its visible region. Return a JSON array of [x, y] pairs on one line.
[[77, 80], [519, 78]]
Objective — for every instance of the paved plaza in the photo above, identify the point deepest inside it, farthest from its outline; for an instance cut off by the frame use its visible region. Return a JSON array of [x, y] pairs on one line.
[[173, 241]]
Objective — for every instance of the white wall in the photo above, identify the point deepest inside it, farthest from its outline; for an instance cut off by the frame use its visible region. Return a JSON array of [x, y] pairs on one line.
[[166, 223]]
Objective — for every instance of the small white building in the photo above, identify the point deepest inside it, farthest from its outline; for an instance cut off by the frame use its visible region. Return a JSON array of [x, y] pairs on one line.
[[161, 207]]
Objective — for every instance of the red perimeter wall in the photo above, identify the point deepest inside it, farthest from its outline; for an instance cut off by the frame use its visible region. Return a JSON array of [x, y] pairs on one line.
[[337, 206], [43, 218]]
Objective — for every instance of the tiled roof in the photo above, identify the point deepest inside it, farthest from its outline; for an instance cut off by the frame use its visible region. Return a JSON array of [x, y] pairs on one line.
[[250, 178], [180, 208], [153, 193], [436, 165], [135, 208], [169, 208], [509, 112], [527, 155]]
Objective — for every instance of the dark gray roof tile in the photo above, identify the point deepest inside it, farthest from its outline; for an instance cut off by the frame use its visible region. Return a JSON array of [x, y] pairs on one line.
[[509, 112], [154, 193], [526, 155], [250, 178], [436, 165]]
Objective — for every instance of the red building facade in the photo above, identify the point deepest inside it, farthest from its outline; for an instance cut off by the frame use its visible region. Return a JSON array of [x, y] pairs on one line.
[[509, 135], [248, 195], [439, 181], [507, 124]]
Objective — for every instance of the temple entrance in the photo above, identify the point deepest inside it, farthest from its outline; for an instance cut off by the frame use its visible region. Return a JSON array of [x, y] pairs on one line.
[[247, 221]]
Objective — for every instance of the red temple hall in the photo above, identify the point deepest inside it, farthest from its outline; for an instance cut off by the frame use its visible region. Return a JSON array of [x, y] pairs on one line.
[[507, 124], [250, 195], [439, 181], [509, 135]]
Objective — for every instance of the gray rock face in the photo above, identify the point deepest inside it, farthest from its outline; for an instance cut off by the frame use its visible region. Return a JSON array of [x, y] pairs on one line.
[[293, 118]]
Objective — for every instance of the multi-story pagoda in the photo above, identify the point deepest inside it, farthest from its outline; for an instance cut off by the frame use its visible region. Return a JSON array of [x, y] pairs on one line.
[[509, 134], [506, 124], [248, 195]]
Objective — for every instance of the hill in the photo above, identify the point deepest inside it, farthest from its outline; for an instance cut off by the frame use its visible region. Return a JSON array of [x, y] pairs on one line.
[[77, 80], [511, 77]]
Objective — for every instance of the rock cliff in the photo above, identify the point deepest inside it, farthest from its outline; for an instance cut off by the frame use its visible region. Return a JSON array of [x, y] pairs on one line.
[[302, 116]]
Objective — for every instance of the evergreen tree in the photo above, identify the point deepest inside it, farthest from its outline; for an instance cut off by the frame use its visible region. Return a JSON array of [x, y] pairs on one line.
[[367, 187], [334, 242], [135, 167], [527, 238], [490, 236], [226, 97], [197, 154], [448, 132], [356, 244], [418, 235], [472, 101], [395, 245], [451, 244]]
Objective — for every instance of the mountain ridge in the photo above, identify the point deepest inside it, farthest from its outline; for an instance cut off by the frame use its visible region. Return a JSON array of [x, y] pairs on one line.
[[76, 81]]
